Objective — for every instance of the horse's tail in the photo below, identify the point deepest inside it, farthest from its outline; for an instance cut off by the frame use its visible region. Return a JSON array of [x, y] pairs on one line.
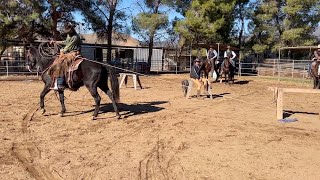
[[114, 84]]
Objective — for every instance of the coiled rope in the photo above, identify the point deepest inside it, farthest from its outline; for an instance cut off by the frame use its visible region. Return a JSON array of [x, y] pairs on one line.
[[48, 51]]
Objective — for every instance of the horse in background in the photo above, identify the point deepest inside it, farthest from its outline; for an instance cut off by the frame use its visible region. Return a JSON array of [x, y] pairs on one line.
[[89, 74], [314, 74], [227, 70]]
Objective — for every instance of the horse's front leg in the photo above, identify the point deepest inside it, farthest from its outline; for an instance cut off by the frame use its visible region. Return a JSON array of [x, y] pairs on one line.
[[317, 83], [61, 97], [226, 77], [230, 78], [44, 92]]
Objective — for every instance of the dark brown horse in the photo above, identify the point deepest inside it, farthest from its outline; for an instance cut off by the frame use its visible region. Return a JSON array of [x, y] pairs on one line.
[[89, 74], [227, 70], [206, 67], [314, 74]]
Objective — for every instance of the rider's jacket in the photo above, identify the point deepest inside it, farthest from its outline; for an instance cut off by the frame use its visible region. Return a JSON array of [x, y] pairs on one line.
[[195, 72], [72, 43], [212, 54]]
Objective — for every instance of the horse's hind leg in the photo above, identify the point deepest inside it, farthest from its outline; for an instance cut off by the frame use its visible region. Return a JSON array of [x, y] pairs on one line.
[[104, 87], [94, 93]]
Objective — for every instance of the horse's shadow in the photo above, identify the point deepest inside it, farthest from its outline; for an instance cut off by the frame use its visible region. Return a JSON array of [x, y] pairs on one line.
[[129, 110], [242, 82], [289, 113], [126, 110], [214, 96]]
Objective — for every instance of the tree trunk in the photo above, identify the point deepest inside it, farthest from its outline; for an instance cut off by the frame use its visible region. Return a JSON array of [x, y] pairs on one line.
[[2, 49], [150, 50], [241, 17], [54, 16], [109, 34], [151, 39]]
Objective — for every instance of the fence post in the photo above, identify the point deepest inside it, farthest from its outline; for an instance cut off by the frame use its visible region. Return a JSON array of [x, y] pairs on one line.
[[176, 68], [258, 69], [274, 67], [7, 66], [292, 69]]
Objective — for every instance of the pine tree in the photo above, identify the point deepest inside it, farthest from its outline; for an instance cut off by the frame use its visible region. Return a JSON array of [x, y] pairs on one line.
[[284, 23], [208, 21]]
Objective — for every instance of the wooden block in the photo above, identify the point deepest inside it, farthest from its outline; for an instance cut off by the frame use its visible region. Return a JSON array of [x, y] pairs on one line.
[[280, 104], [122, 77], [134, 78]]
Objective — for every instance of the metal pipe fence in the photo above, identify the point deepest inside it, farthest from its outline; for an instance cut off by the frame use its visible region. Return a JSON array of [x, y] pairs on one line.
[[16, 67], [282, 69]]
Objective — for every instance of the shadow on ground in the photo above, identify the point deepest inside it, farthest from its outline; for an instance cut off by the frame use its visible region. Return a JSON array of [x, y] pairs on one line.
[[289, 113]]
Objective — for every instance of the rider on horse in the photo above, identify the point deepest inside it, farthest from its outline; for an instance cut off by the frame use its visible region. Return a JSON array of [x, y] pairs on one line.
[[231, 55], [316, 54], [67, 55], [211, 55]]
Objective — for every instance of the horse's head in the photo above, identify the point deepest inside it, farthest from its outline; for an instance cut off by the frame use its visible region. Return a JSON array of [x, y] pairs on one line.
[[31, 58]]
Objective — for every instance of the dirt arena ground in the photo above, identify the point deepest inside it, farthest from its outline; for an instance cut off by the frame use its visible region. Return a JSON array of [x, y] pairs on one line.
[[162, 135]]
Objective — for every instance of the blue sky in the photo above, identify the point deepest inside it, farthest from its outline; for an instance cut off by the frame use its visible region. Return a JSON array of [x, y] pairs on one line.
[[131, 8]]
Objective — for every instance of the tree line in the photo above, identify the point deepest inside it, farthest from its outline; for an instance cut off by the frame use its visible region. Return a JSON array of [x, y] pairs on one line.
[[258, 25]]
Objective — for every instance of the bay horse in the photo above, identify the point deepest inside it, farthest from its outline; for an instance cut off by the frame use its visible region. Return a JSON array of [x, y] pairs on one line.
[[314, 74], [206, 67], [89, 74], [227, 70]]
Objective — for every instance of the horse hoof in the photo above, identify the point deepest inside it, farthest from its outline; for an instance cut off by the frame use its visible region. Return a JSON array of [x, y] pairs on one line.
[[60, 114], [94, 118], [42, 111]]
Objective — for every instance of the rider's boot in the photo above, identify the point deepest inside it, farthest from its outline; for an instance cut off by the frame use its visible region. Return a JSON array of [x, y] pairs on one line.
[[60, 83]]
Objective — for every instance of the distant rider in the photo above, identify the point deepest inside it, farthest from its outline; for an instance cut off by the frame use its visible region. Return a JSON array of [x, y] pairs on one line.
[[231, 54], [211, 56], [316, 54]]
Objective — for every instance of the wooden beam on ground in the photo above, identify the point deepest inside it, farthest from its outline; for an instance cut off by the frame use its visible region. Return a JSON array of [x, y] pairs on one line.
[[279, 93]]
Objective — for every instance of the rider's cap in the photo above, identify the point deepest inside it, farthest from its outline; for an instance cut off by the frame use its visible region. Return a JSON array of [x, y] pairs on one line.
[[197, 60], [68, 27]]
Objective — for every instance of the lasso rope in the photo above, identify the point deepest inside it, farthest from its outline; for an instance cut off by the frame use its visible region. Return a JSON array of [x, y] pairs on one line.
[[48, 51]]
